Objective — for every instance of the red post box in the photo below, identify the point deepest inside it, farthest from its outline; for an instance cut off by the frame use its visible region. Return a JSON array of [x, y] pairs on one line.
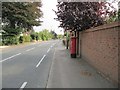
[[73, 47]]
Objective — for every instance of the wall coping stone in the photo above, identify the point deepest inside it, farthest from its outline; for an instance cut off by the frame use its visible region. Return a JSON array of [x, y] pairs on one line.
[[103, 27]]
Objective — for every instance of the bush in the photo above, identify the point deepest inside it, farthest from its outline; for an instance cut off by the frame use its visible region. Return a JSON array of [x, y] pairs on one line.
[[0, 40], [37, 37], [26, 38], [0, 43], [10, 40], [33, 36], [21, 40], [12, 31], [43, 37]]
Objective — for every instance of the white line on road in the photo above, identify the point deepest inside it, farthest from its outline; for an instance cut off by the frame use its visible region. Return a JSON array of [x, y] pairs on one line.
[[23, 85], [10, 57], [40, 61], [30, 49], [48, 50], [53, 45]]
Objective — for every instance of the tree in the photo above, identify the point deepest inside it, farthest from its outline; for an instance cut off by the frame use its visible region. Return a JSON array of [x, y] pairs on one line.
[[82, 15], [119, 15], [44, 35], [23, 15], [119, 10], [60, 36], [33, 35], [54, 35]]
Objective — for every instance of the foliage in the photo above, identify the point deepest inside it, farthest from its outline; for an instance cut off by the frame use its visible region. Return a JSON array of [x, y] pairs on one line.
[[60, 36], [43, 35], [54, 35], [19, 17], [119, 15], [37, 36], [0, 40], [10, 40], [12, 31], [1, 43], [113, 18], [82, 15], [46, 35], [26, 38], [33, 35], [21, 39], [21, 14]]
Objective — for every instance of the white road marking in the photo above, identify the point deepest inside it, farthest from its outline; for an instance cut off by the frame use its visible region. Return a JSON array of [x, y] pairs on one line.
[[30, 49], [10, 57], [23, 85], [48, 50], [53, 45], [40, 61]]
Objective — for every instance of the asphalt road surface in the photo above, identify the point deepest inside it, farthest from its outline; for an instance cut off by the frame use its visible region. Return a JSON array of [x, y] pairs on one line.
[[27, 66]]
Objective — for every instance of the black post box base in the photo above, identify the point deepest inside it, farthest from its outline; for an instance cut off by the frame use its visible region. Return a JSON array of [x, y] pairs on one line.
[[73, 55]]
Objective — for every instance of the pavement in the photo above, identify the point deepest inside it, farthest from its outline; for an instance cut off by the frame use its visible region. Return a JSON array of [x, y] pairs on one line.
[[1, 47], [19, 45], [67, 72]]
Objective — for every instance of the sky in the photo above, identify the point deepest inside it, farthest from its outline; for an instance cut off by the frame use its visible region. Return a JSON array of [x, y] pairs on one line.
[[48, 17]]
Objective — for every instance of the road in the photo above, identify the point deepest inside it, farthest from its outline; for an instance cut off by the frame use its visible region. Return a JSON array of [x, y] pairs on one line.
[[27, 66]]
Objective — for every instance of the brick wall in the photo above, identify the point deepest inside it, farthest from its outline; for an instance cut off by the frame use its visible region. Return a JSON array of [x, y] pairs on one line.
[[99, 46]]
